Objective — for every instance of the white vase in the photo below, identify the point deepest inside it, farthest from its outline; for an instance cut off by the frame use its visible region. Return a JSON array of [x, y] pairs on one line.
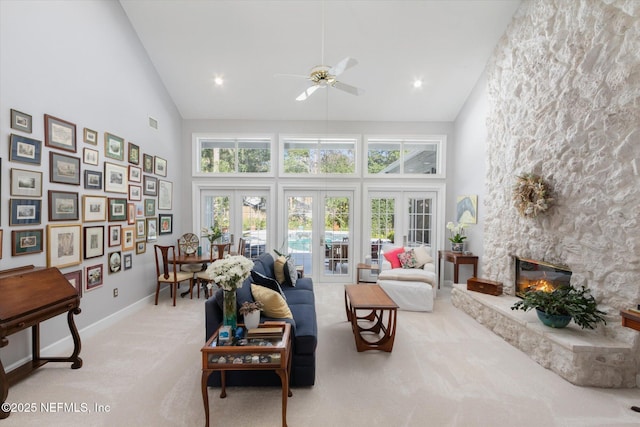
[[252, 320]]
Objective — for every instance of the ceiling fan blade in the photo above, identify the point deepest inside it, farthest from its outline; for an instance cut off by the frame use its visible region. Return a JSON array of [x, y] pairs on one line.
[[342, 66], [348, 88], [307, 93], [298, 76]]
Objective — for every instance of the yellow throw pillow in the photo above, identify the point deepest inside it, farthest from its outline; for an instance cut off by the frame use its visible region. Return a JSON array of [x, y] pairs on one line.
[[274, 305], [278, 268]]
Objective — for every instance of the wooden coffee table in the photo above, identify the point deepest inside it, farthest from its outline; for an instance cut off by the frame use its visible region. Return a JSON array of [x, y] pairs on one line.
[[276, 356], [379, 306]]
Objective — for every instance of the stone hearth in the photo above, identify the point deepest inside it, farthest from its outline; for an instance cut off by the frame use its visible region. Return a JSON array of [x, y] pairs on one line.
[[582, 357]]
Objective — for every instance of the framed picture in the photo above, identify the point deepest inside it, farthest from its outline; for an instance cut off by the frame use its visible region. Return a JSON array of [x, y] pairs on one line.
[[147, 163], [25, 211], [152, 229], [131, 213], [141, 229], [90, 157], [139, 210], [94, 208], [134, 154], [75, 278], [26, 183], [113, 146], [165, 195], [93, 241], [90, 136], [63, 206], [166, 223], [467, 209], [117, 209], [160, 166], [21, 121], [141, 247], [59, 134], [114, 261], [135, 193], [92, 180], [127, 261], [93, 277], [150, 186], [115, 235], [64, 169], [25, 242], [25, 150], [115, 178], [149, 207], [135, 174], [128, 238], [63, 245]]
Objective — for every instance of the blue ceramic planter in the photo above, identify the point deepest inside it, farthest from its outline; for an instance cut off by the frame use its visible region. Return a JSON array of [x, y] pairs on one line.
[[553, 320]]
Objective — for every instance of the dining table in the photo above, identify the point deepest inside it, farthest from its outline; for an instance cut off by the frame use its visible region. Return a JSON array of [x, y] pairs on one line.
[[183, 259], [203, 259]]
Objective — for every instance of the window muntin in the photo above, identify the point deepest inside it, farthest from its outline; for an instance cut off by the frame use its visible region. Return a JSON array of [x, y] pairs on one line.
[[233, 155], [403, 157], [319, 156]]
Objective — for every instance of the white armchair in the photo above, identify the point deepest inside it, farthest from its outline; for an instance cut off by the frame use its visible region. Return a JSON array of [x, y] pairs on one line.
[[412, 287]]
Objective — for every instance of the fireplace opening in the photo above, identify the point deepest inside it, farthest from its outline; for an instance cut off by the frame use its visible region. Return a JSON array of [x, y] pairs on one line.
[[539, 276]]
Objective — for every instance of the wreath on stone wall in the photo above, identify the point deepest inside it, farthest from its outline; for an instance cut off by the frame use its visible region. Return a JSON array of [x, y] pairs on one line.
[[531, 195]]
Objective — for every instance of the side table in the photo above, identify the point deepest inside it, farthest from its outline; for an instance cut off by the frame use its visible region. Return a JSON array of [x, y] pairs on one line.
[[456, 258], [631, 319], [272, 354], [363, 266]]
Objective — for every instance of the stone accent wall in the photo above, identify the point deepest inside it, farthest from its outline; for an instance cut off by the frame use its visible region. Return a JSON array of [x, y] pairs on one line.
[[564, 101]]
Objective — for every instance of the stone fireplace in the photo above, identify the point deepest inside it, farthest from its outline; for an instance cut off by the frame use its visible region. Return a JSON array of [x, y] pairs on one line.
[[534, 275]]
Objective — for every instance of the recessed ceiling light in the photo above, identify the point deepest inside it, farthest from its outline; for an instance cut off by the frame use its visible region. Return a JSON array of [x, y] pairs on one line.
[[219, 81], [417, 83]]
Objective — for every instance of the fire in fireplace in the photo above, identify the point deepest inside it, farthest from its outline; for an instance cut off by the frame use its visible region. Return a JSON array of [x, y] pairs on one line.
[[539, 276]]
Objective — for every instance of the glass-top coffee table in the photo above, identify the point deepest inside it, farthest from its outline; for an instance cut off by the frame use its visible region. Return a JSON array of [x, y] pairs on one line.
[[263, 353]]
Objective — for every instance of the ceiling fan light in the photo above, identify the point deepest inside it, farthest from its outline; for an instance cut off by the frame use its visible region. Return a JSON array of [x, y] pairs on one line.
[[417, 83], [219, 81]]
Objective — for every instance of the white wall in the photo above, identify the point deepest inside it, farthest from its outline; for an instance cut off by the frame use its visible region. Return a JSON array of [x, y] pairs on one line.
[[82, 62], [467, 166]]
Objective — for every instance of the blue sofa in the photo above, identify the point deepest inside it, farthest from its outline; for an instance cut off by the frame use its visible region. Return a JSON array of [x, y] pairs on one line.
[[304, 327]]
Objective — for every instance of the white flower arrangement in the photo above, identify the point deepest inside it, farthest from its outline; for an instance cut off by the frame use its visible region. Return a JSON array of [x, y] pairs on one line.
[[531, 195], [456, 232], [230, 272]]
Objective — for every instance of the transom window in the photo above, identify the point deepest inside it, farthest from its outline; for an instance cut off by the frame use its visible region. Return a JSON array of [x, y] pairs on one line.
[[232, 155], [391, 156], [319, 156]]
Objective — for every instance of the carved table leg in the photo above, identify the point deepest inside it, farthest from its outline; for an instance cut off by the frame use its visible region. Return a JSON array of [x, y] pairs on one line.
[[205, 396]]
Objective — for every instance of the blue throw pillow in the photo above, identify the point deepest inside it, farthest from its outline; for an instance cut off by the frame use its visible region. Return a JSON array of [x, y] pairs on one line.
[[267, 282]]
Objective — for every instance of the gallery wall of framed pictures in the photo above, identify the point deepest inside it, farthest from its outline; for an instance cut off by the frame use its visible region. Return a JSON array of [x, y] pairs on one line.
[[95, 195]]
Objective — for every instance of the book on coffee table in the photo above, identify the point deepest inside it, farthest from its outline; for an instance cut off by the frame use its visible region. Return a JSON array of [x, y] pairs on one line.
[[265, 333]]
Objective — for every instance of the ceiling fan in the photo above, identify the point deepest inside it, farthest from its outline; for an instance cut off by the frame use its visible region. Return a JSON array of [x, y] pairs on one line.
[[322, 76]]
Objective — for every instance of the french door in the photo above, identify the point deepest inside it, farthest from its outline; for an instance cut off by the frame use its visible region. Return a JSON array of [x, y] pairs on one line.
[[319, 233], [404, 218], [238, 213]]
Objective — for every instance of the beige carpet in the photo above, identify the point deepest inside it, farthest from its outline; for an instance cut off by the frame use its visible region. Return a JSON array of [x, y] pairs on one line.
[[445, 370]]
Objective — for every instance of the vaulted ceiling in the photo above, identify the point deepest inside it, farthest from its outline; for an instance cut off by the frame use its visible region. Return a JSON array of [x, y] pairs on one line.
[[445, 43]]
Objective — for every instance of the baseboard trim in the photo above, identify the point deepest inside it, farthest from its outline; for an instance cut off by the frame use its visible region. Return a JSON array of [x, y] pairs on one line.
[[65, 345]]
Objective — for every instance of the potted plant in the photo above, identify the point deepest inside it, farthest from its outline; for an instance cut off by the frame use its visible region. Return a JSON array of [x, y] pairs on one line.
[[251, 313], [557, 308], [456, 236]]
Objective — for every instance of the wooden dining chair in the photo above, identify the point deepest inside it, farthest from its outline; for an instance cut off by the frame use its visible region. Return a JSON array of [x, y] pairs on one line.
[[242, 242], [167, 272], [202, 278]]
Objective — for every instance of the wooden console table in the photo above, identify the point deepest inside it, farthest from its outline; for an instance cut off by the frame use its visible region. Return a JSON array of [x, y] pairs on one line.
[[30, 295], [456, 258]]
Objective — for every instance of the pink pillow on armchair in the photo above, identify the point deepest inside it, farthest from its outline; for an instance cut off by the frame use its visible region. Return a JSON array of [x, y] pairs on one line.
[[392, 257]]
